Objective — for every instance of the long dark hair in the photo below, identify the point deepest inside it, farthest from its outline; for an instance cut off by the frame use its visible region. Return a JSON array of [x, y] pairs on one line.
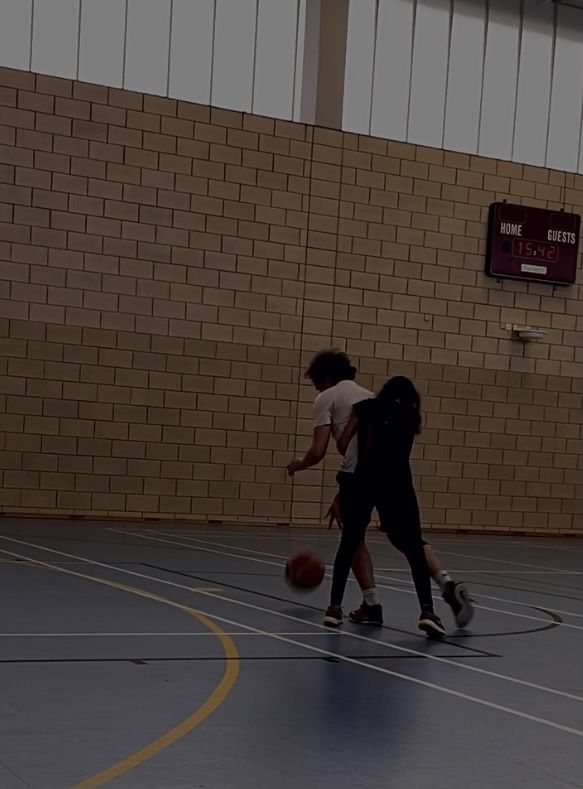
[[400, 391]]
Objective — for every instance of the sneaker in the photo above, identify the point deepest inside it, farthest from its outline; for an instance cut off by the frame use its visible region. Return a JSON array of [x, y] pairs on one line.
[[457, 597], [431, 624], [367, 614], [333, 616]]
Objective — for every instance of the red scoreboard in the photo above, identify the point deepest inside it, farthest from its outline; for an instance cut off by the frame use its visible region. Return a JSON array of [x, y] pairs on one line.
[[532, 244]]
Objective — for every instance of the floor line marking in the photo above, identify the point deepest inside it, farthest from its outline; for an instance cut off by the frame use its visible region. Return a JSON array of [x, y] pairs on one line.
[[289, 617], [503, 599], [443, 538], [538, 546], [211, 703], [495, 572], [311, 648], [194, 546], [379, 569], [146, 635], [389, 569], [501, 561]]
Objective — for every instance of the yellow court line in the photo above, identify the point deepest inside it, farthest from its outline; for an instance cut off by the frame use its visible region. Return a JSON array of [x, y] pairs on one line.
[[174, 734]]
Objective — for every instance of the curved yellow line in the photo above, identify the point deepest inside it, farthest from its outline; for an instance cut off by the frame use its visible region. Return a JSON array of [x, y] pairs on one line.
[[216, 698]]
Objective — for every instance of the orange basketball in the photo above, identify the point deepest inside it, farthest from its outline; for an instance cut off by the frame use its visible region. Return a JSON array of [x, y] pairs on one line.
[[304, 571]]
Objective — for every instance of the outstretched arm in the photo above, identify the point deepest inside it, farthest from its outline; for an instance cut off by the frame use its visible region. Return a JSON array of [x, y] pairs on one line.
[[349, 432], [315, 453]]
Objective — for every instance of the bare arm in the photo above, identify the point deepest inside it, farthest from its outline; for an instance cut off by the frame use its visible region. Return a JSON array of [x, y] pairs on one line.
[[315, 453], [349, 432]]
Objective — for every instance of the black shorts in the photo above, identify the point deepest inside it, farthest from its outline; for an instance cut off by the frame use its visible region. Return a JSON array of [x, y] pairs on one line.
[[396, 506]]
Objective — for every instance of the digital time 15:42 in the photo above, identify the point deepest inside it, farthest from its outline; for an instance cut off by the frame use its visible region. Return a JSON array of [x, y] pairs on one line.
[[541, 250]]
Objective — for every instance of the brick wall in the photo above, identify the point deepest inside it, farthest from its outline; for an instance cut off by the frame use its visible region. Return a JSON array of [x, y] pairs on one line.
[[167, 269]]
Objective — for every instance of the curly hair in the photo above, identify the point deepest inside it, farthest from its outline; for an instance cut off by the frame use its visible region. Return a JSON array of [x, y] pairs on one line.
[[332, 364]]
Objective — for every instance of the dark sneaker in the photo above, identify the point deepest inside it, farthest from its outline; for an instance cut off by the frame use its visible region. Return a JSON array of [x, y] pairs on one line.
[[457, 597], [333, 616], [431, 624], [367, 614]]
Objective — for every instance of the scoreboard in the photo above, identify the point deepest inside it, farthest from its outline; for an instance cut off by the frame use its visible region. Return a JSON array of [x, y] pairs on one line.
[[532, 244]]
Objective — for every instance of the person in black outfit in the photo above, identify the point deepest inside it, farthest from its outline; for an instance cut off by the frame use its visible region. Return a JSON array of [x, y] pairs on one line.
[[386, 426]]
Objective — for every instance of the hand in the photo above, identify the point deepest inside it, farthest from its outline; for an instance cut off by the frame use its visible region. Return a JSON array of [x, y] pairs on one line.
[[294, 467], [333, 514]]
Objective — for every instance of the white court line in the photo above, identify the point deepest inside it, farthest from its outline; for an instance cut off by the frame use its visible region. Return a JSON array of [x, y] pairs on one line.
[[299, 537], [380, 586], [500, 599], [177, 534], [503, 600], [388, 645], [486, 572], [576, 548], [131, 635], [496, 541], [297, 534], [400, 580], [354, 635], [309, 647], [499, 561]]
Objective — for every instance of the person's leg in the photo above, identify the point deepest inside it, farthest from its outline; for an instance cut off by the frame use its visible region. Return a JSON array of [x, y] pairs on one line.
[[355, 515], [455, 593], [370, 611], [399, 516], [349, 541], [363, 570], [362, 567], [433, 562], [412, 548]]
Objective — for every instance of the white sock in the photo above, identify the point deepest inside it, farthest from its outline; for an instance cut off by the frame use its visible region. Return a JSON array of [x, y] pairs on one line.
[[370, 596], [442, 578]]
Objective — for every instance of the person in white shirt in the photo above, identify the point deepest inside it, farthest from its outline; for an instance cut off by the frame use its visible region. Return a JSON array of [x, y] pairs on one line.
[[333, 376]]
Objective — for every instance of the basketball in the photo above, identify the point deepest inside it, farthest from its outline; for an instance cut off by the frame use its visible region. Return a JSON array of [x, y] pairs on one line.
[[304, 571]]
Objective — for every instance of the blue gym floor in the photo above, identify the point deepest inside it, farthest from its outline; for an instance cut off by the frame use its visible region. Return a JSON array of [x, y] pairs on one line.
[[159, 657]]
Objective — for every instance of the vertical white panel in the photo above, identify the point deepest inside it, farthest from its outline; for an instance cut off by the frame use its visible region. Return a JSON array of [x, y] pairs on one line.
[[55, 37], [500, 75], [429, 74], [234, 58], [307, 66], [360, 47], [277, 22], [392, 74], [534, 83], [101, 42], [466, 67], [147, 46], [191, 50], [567, 92], [299, 61], [15, 21], [580, 169]]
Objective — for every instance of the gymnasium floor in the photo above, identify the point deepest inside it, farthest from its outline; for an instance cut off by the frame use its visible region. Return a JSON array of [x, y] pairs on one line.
[[159, 657]]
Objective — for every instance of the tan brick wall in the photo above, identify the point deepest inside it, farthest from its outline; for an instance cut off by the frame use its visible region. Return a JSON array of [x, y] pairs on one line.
[[167, 269]]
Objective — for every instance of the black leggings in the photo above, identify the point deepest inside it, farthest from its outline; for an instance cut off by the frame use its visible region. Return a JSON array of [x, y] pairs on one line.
[[399, 516]]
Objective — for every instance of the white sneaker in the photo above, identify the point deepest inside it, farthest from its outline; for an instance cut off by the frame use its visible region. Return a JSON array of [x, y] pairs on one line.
[[458, 598], [333, 616]]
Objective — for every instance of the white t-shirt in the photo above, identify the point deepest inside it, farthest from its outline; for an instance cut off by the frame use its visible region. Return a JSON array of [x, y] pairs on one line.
[[334, 407]]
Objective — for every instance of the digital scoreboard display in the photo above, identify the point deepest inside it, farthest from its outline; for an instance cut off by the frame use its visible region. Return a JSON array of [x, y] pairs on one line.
[[532, 244]]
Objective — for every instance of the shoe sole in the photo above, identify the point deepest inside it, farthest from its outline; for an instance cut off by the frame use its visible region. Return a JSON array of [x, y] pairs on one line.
[[466, 614], [329, 622], [431, 630], [369, 622]]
